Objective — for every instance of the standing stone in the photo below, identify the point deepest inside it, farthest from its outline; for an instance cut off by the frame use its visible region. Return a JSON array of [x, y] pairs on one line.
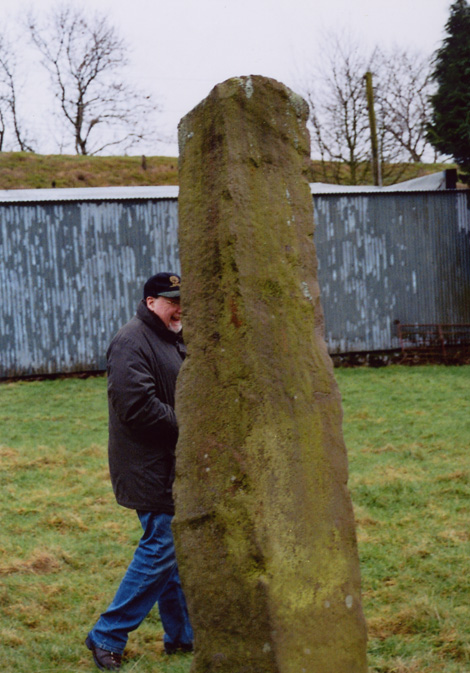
[[264, 525]]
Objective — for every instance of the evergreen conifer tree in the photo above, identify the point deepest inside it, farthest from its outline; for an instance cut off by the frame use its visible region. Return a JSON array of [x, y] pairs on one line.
[[449, 129]]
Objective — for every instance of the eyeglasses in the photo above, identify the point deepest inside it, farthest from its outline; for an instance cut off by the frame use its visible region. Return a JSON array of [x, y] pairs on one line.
[[174, 302]]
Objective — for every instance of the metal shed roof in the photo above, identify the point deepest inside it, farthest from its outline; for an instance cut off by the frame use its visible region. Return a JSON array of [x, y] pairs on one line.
[[428, 183], [436, 181], [88, 194]]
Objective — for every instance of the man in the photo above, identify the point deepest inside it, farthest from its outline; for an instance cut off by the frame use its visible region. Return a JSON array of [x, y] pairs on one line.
[[143, 362]]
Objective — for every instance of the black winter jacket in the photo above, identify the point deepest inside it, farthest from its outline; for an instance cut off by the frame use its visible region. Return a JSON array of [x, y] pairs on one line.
[[143, 362]]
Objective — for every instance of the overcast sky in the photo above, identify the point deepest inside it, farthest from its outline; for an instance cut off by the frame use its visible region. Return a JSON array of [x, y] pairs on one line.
[[180, 49]]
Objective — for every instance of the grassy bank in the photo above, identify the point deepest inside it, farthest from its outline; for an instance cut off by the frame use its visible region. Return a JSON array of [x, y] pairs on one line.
[[65, 544], [24, 170]]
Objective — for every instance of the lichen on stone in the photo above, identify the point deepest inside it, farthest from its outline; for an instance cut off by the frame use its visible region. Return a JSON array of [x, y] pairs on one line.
[[264, 526]]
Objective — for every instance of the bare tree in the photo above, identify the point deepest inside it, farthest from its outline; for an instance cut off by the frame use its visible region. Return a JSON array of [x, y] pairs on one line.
[[11, 127], [402, 95], [86, 60], [339, 119], [338, 110]]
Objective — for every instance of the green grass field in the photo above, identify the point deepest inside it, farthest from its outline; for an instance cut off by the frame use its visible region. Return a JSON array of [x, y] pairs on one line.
[[64, 543]]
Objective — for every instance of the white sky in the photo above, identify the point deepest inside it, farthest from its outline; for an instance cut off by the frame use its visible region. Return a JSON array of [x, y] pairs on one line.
[[180, 49]]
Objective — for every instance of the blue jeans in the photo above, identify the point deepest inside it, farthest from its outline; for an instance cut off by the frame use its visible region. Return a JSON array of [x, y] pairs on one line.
[[151, 577]]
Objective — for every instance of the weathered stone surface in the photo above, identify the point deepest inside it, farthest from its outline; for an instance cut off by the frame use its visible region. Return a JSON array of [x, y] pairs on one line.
[[264, 524]]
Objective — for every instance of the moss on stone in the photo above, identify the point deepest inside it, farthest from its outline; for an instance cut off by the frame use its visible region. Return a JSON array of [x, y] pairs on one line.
[[264, 525]]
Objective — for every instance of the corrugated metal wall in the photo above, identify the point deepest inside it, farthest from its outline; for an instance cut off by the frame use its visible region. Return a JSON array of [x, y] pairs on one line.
[[386, 257], [71, 271], [70, 276]]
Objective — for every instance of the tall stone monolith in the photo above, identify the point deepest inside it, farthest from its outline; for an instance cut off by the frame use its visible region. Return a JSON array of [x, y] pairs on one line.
[[264, 524]]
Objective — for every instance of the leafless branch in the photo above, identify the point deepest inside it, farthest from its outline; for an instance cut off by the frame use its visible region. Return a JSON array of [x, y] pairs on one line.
[[339, 120], [10, 122], [86, 59]]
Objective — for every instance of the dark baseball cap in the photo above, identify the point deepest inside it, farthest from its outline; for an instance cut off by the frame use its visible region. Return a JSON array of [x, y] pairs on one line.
[[163, 285]]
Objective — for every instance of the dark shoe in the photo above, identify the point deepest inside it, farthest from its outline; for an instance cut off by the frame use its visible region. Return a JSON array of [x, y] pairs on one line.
[[106, 661], [173, 648]]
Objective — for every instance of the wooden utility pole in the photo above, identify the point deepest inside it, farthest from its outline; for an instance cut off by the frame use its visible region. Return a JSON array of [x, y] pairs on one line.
[[377, 173]]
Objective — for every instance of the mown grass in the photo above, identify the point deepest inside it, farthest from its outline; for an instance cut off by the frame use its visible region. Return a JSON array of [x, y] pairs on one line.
[[65, 544], [25, 170], [408, 435]]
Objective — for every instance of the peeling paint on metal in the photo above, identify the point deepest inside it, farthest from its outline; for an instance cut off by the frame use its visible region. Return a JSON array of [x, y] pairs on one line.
[[387, 257], [71, 275], [71, 269]]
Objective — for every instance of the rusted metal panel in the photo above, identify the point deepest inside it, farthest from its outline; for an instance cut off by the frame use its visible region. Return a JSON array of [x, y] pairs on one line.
[[70, 275], [391, 257], [417, 339]]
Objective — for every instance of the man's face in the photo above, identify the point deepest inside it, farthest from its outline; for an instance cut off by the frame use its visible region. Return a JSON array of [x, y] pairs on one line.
[[168, 310]]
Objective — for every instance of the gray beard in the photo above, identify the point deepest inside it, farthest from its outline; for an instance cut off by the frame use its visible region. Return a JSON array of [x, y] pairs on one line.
[[174, 329]]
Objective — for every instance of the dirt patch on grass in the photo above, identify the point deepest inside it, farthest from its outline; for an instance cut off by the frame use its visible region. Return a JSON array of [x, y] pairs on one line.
[[40, 563], [10, 638], [450, 646], [401, 666], [407, 622], [459, 475], [453, 536], [66, 522]]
